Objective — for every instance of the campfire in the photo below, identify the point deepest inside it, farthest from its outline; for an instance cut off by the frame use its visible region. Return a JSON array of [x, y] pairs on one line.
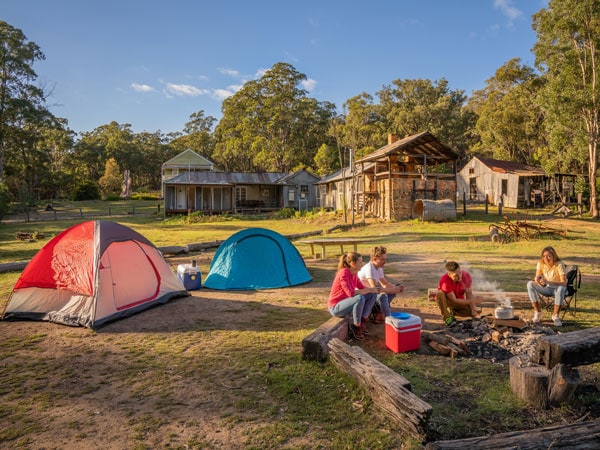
[[488, 337]]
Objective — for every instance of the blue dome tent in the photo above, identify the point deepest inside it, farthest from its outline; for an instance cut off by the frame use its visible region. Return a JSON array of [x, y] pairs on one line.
[[256, 258]]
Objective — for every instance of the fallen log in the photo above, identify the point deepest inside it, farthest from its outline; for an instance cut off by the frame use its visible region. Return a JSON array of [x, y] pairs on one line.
[[13, 266], [575, 436], [389, 390], [173, 250], [574, 348], [196, 247], [314, 346], [493, 299]]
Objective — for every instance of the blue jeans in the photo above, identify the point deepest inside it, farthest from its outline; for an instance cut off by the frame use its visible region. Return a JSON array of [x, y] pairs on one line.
[[385, 300], [558, 292], [355, 304]]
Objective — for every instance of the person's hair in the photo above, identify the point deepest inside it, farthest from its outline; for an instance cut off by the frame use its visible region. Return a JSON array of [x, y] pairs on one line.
[[347, 258], [550, 250], [451, 266], [378, 251]]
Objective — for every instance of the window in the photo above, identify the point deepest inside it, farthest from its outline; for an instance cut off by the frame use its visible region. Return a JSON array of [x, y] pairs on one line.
[[240, 194], [303, 190]]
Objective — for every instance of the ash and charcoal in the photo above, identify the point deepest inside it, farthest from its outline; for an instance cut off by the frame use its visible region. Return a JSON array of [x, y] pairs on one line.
[[500, 343]]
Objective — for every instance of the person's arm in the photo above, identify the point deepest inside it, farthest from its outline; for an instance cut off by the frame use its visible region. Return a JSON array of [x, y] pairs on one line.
[[390, 288], [362, 289]]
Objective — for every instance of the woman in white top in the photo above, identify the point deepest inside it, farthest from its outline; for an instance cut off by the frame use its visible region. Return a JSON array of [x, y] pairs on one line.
[[549, 280]]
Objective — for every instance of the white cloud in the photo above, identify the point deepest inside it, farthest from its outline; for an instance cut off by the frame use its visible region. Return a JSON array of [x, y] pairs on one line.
[[230, 72], [507, 8], [185, 89], [142, 87], [309, 84], [222, 94]]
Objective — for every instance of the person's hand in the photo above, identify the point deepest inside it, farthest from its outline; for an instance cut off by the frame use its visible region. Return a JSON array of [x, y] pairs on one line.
[[541, 281]]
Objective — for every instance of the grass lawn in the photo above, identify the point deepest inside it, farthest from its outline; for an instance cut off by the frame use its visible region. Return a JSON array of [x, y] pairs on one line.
[[223, 369]]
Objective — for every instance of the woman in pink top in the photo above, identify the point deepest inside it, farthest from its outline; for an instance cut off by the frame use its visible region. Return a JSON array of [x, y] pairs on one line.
[[349, 295]]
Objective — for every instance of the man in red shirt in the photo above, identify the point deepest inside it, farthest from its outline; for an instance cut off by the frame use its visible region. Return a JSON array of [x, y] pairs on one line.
[[455, 295]]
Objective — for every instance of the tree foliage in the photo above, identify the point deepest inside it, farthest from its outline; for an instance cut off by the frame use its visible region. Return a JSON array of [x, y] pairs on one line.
[[566, 51], [414, 106], [110, 182], [271, 124], [510, 123]]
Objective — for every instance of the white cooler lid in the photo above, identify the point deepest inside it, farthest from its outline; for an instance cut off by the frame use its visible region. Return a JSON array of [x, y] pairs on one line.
[[411, 323]]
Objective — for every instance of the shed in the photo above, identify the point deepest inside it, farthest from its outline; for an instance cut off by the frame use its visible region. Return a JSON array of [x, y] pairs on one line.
[[390, 179], [512, 183]]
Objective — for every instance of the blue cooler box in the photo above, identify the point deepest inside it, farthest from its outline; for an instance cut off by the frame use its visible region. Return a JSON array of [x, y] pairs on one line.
[[190, 276]]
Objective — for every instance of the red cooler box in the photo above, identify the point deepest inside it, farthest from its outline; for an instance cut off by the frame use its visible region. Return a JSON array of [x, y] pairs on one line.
[[402, 332]]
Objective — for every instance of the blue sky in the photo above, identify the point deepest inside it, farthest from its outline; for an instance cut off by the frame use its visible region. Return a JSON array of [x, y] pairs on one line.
[[151, 64]]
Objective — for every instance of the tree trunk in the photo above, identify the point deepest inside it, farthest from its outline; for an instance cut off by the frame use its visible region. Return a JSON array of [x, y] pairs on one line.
[[592, 170]]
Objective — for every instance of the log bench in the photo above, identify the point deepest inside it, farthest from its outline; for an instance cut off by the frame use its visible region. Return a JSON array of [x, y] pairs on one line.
[[582, 435], [390, 391], [575, 348], [492, 299], [314, 346], [551, 378]]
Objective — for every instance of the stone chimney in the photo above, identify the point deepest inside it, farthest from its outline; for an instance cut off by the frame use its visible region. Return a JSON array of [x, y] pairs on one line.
[[392, 138]]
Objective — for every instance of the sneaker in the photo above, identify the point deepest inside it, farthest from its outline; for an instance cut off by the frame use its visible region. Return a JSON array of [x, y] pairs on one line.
[[450, 321], [537, 317], [557, 321], [355, 332], [363, 326]]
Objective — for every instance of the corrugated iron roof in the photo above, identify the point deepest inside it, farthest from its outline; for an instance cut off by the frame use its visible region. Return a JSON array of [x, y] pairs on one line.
[[416, 145], [227, 178], [340, 174], [500, 166]]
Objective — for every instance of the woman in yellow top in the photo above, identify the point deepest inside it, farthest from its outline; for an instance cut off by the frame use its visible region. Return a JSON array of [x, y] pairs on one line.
[[550, 281]]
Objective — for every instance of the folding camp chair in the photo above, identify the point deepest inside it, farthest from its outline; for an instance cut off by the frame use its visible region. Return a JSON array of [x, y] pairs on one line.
[[573, 276]]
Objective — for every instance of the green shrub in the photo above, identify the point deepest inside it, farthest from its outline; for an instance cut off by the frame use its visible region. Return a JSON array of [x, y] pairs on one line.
[[285, 213], [86, 190], [4, 200]]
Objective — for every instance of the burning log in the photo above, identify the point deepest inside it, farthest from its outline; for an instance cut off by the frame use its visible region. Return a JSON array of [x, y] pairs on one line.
[[512, 323], [445, 344]]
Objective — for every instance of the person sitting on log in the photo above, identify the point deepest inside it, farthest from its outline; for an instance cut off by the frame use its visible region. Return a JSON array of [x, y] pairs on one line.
[[349, 295], [455, 294], [371, 274], [550, 281]]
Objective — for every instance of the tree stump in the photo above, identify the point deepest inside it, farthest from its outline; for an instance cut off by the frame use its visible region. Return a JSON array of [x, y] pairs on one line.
[[541, 386]]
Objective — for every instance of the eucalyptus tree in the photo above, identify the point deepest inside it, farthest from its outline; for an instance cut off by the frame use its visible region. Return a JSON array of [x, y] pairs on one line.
[[566, 50], [271, 124], [197, 135], [364, 128], [112, 140], [19, 98], [510, 122], [414, 106], [154, 151]]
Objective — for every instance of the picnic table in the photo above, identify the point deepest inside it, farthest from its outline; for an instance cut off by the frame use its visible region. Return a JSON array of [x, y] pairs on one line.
[[324, 242]]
